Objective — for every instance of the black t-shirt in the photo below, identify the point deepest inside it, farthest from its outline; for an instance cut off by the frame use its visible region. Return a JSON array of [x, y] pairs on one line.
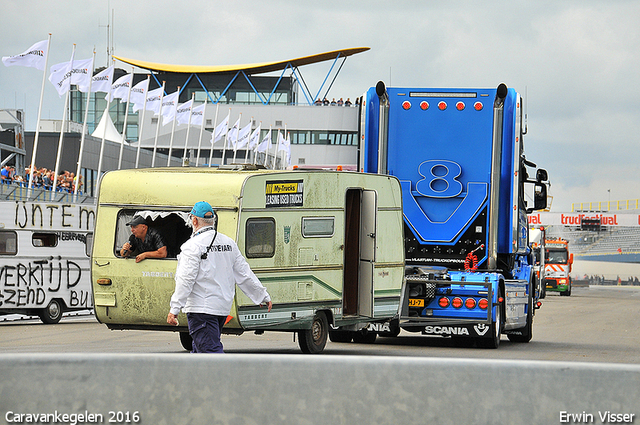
[[152, 242]]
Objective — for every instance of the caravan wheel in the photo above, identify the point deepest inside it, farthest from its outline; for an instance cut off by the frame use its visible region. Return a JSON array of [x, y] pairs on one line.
[[312, 341]]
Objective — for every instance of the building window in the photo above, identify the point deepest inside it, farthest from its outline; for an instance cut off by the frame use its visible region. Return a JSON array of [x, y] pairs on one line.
[[260, 237]]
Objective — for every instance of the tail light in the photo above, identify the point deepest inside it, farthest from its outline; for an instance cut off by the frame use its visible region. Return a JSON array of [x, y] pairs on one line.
[[470, 303], [456, 302], [460, 106], [483, 303], [443, 302]]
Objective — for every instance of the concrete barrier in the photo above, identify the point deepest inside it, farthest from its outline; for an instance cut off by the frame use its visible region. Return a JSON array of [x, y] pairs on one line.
[[297, 389]]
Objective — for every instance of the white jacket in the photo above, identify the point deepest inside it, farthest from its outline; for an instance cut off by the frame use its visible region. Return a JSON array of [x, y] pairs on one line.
[[208, 286]]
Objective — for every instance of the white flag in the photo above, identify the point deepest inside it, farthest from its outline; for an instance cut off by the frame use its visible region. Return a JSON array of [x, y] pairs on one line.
[[220, 130], [232, 135], [153, 101], [34, 56], [64, 74], [197, 115], [255, 137], [139, 92], [101, 82], [265, 144], [282, 142], [243, 136], [184, 111], [169, 104], [120, 89]]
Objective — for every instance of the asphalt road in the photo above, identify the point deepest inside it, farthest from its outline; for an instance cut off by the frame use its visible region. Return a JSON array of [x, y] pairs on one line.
[[596, 324]]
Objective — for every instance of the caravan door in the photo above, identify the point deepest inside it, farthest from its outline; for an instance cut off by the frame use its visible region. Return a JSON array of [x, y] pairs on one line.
[[367, 252]]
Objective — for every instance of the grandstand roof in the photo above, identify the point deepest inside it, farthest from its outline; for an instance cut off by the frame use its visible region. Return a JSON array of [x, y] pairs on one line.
[[256, 68]]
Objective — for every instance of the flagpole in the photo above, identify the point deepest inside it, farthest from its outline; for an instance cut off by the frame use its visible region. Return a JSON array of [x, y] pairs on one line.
[[213, 142], [186, 142], [84, 126], [235, 142], [64, 119], [126, 117], [155, 143], [35, 140], [224, 148], [266, 153], [255, 150], [284, 153], [173, 127], [141, 122], [204, 110], [246, 147]]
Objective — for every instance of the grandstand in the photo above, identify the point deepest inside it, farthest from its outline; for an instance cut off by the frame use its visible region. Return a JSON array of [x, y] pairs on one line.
[[613, 243]]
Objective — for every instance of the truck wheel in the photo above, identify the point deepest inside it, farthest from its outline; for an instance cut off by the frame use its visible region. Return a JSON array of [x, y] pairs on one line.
[[495, 330], [340, 336], [364, 337], [186, 341], [52, 313], [312, 341]]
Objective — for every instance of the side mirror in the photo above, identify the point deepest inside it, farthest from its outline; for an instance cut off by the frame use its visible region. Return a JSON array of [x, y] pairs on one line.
[[539, 198], [541, 175]]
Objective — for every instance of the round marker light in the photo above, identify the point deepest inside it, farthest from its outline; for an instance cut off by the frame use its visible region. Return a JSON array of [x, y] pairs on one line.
[[478, 106], [443, 302], [456, 302], [470, 303], [483, 303], [442, 105], [424, 105], [460, 106], [406, 105]]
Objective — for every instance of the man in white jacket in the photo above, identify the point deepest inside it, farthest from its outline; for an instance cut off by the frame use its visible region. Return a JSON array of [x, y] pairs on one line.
[[209, 266]]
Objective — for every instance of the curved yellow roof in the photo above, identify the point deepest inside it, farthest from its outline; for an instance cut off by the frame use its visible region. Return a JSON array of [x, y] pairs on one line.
[[256, 68]]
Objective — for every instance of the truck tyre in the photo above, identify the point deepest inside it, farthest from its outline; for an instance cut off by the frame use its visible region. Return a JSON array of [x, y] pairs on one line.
[[340, 336], [52, 313], [312, 341], [364, 337], [495, 330], [186, 341]]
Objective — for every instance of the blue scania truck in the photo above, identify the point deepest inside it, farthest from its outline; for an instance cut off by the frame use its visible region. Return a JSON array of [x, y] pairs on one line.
[[466, 192]]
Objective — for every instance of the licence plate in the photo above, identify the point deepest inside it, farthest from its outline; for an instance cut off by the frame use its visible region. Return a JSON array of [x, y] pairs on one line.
[[413, 302]]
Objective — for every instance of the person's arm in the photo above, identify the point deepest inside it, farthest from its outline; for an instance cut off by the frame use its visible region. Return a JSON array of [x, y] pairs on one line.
[[248, 282], [186, 274], [159, 253]]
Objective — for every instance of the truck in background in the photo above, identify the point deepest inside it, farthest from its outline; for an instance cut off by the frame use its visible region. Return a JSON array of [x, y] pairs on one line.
[[557, 268], [466, 192], [328, 247]]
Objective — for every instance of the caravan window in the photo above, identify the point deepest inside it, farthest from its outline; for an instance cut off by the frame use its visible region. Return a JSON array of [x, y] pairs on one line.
[[261, 237], [44, 239], [317, 227], [172, 226], [8, 243]]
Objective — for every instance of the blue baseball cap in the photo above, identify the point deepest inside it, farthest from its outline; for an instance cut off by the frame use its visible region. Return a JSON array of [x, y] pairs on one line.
[[202, 209]]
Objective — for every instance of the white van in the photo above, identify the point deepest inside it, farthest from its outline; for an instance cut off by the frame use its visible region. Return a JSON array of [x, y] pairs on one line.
[[44, 258], [328, 246]]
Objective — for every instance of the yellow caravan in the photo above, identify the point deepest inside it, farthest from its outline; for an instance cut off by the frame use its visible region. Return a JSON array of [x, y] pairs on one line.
[[328, 246]]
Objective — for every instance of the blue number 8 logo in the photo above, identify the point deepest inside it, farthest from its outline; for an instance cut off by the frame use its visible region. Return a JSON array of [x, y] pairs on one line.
[[440, 179]]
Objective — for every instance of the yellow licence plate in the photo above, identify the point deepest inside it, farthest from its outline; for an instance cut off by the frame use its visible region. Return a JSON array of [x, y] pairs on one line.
[[413, 302]]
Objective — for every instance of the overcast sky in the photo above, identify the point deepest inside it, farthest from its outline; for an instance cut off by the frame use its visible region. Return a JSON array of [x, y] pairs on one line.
[[577, 63]]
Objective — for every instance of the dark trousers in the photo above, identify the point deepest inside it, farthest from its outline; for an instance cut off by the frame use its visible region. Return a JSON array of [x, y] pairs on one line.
[[205, 330]]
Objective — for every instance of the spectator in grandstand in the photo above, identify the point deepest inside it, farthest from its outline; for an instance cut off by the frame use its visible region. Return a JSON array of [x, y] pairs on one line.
[[6, 174]]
